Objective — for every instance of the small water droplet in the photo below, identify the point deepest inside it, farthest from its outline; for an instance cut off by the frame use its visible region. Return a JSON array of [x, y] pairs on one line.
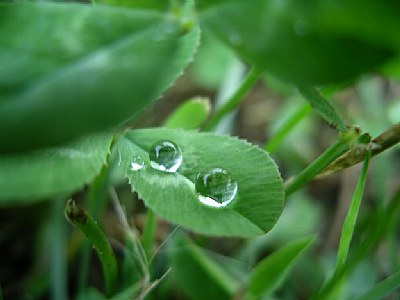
[[216, 188], [165, 156], [137, 163]]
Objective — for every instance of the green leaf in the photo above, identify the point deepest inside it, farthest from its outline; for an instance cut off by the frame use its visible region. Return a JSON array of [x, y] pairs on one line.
[[89, 227], [270, 272], [351, 217], [144, 4], [128, 293], [189, 115], [40, 174], [383, 288], [322, 107], [256, 206], [198, 275], [349, 17], [74, 69], [91, 293], [285, 38], [212, 63]]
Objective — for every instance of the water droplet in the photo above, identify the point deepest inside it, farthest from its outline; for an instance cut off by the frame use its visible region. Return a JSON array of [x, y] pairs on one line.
[[216, 188], [137, 163], [165, 156]]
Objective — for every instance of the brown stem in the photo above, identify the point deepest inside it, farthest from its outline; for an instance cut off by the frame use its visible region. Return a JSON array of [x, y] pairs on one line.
[[356, 154]]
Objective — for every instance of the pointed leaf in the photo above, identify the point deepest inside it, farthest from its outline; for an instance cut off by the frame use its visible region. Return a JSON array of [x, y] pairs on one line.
[[190, 114], [74, 69], [40, 174], [383, 288], [270, 272], [322, 107], [198, 275], [256, 206]]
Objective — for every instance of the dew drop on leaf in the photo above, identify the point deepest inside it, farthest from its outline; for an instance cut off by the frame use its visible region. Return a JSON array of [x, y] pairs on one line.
[[165, 156], [137, 163], [216, 188]]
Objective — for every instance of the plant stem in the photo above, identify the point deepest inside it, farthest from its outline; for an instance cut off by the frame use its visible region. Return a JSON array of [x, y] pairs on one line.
[[382, 142], [333, 152], [287, 126], [249, 81], [96, 199], [92, 231], [58, 265], [149, 233], [351, 218], [131, 241]]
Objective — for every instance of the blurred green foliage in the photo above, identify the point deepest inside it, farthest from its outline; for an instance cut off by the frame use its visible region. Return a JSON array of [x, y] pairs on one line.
[[76, 81]]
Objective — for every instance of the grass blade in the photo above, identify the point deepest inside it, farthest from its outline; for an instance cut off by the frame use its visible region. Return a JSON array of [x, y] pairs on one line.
[[96, 200], [350, 221], [312, 170], [198, 275], [341, 268], [58, 266], [383, 288], [148, 233], [371, 240], [92, 231], [283, 131], [251, 78], [270, 272]]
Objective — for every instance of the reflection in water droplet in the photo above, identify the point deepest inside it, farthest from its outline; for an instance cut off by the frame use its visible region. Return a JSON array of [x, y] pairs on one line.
[[165, 156], [137, 163], [216, 188]]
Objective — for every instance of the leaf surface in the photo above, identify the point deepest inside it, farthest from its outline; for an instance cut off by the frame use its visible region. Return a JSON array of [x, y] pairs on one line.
[[286, 38], [198, 275], [190, 114], [74, 69], [31, 176], [271, 271], [383, 288], [147, 4], [256, 206], [322, 107]]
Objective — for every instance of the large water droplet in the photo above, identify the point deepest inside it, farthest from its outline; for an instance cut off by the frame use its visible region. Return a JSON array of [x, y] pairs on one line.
[[137, 163], [165, 156], [216, 188]]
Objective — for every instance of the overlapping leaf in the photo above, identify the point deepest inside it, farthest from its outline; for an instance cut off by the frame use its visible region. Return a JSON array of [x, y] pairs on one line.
[[40, 174], [72, 69], [299, 42], [189, 115], [256, 206]]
